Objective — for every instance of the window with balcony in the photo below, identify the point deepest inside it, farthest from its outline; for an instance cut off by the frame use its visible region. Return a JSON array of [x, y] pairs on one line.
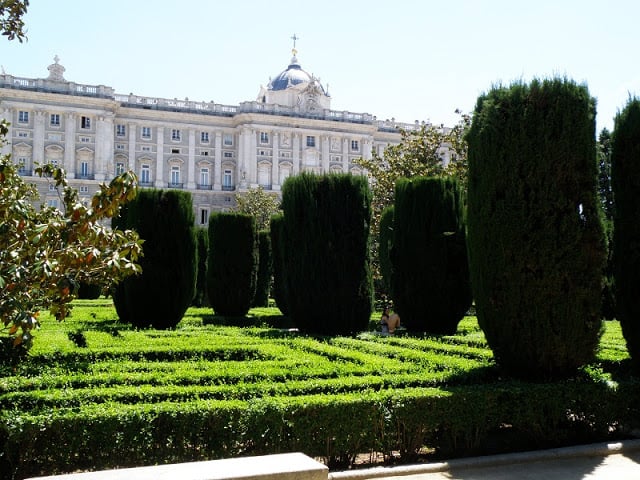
[[119, 168], [145, 174], [204, 216], [175, 176], [227, 182], [84, 169], [204, 177]]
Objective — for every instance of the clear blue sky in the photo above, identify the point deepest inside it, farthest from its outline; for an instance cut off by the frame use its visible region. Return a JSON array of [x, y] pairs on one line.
[[407, 59]]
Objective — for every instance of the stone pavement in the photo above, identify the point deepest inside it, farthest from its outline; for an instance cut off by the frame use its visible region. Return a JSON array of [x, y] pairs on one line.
[[615, 461]]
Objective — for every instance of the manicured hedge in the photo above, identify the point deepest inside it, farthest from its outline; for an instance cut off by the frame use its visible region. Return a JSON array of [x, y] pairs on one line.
[[278, 256], [265, 270], [536, 242]]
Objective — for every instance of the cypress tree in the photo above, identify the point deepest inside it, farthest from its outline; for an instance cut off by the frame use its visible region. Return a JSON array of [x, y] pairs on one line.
[[265, 270], [202, 237], [625, 176], [277, 253], [326, 230], [162, 293], [431, 285], [535, 236], [385, 241], [233, 262]]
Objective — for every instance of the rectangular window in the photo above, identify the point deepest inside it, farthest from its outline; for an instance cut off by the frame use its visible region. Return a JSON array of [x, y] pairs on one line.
[[204, 153], [204, 137], [204, 216], [119, 146], [228, 154], [119, 168], [228, 139], [52, 202], [146, 148], [226, 179], [84, 189], [146, 132], [175, 150], [52, 187], [121, 130], [85, 139], [84, 169], [204, 176], [311, 141], [175, 135], [145, 174], [85, 122], [23, 117], [264, 137], [23, 134], [54, 119], [355, 145], [175, 175]]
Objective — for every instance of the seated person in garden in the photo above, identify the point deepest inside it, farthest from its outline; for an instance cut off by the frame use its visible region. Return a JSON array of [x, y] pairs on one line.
[[393, 322], [384, 321]]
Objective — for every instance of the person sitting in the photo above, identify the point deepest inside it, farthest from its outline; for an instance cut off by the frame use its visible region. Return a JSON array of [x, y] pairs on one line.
[[393, 322], [384, 321]]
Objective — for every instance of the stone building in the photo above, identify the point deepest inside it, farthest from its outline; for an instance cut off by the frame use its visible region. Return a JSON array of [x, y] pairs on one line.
[[214, 151]]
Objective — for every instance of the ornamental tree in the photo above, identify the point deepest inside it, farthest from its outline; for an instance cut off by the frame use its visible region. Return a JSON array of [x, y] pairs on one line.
[[46, 253], [259, 204]]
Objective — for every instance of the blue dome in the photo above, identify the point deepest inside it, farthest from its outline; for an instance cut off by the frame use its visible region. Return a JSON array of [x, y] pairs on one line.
[[293, 75]]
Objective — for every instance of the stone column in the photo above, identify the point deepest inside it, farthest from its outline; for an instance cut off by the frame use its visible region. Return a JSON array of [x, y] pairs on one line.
[[191, 162], [5, 114], [274, 161], [38, 137], [296, 154], [160, 159], [252, 160], [366, 148], [132, 147], [70, 144], [325, 154], [345, 155], [217, 163], [104, 147]]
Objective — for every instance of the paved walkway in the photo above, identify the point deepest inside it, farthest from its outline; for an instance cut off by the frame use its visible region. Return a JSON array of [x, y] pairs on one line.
[[615, 461]]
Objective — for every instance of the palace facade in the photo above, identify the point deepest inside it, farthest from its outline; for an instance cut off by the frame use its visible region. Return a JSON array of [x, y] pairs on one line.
[[214, 151]]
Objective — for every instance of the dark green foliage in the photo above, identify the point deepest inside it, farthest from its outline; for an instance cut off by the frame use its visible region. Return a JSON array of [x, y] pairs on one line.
[[89, 291], [608, 208], [202, 238], [535, 235], [162, 293], [385, 239], [326, 238], [277, 253], [431, 286], [265, 270], [233, 262], [625, 159]]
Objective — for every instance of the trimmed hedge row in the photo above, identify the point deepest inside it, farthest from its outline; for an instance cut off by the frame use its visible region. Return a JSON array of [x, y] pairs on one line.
[[454, 421]]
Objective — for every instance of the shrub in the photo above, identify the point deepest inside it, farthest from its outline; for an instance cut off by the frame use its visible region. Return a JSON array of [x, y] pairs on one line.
[[202, 238], [265, 270], [431, 286], [89, 291], [625, 169], [277, 253], [233, 262], [535, 234], [385, 240], [326, 239], [162, 293]]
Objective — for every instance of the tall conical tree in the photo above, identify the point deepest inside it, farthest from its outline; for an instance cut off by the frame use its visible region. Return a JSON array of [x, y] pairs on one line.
[[535, 235], [277, 253], [431, 284], [265, 270], [625, 172], [233, 262], [326, 234], [158, 297]]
